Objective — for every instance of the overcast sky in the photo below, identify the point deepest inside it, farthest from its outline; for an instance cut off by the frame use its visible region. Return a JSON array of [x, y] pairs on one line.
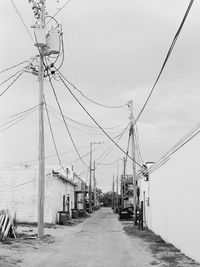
[[113, 52]]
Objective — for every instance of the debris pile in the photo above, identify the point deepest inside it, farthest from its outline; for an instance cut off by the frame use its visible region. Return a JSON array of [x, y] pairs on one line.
[[6, 225]]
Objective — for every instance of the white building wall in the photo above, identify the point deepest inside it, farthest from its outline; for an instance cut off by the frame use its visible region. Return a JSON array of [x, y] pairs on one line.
[[19, 194], [59, 189], [174, 191]]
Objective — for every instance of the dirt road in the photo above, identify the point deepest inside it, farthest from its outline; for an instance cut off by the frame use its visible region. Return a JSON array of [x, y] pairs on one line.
[[98, 241]]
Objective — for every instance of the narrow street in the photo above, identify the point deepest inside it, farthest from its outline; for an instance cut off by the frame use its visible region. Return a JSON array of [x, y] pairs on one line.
[[99, 241]]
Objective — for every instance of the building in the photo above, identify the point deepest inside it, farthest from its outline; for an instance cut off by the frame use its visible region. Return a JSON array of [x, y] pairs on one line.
[[19, 193], [171, 195]]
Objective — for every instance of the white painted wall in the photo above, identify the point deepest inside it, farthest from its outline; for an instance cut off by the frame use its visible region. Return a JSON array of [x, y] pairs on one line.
[[59, 189], [19, 193], [174, 190]]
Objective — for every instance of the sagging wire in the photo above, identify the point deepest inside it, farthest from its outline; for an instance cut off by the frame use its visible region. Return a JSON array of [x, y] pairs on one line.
[[67, 128]]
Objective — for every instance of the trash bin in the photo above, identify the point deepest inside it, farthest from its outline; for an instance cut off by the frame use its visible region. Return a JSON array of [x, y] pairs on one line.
[[81, 213], [63, 217], [74, 213]]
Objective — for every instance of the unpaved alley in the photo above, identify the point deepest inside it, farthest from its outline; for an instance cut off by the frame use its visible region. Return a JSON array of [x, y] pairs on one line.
[[99, 241]]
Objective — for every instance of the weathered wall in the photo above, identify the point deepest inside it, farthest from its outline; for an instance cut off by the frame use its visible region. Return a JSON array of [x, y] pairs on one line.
[[174, 199], [59, 189], [19, 194]]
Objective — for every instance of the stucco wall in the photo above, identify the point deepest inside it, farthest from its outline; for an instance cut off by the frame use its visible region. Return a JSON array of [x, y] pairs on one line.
[[175, 199], [59, 189], [19, 194]]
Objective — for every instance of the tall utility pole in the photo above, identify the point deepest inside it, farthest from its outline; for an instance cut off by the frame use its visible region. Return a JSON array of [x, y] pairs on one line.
[[117, 190], [41, 181], [113, 191], [122, 183], [130, 103], [90, 181], [95, 187]]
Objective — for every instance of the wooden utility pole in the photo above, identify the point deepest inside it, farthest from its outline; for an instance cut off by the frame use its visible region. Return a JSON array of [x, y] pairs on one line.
[[122, 182], [41, 180], [95, 188], [133, 164], [117, 189], [90, 181], [113, 191]]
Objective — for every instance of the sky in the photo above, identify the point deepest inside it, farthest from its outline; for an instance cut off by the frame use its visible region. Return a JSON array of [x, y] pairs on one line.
[[113, 53]]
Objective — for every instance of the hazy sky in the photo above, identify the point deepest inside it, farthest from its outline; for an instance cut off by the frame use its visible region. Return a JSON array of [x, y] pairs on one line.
[[113, 53]]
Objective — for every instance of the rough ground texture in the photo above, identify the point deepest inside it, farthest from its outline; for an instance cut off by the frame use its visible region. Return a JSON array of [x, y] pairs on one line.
[[165, 253], [99, 241]]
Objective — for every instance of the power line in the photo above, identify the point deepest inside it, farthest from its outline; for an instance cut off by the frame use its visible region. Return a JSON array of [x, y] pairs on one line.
[[60, 10], [110, 148], [19, 185], [91, 100], [18, 120], [95, 120], [18, 13], [111, 163], [52, 134], [19, 115], [87, 125], [10, 77], [50, 156], [166, 59], [11, 83], [65, 122], [14, 66]]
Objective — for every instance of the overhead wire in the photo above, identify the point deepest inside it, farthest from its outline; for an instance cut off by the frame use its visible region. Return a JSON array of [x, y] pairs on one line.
[[11, 83], [52, 134], [84, 124], [61, 112], [14, 66], [108, 164], [91, 100], [110, 148], [94, 119], [22, 20], [166, 59], [19, 113], [18, 120], [60, 9]]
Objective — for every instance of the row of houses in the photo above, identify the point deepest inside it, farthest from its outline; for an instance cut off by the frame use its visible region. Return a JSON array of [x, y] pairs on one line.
[[64, 191]]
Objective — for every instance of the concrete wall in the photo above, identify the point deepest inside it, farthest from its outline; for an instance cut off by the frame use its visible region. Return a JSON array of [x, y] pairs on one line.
[[174, 191], [61, 188], [19, 193]]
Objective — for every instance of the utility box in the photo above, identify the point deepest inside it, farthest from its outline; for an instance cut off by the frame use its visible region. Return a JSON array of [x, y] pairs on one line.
[[40, 37], [53, 41], [63, 217]]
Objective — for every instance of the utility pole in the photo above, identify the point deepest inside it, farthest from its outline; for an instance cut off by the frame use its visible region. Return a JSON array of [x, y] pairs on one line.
[[90, 181], [130, 103], [113, 191], [95, 187], [122, 182], [117, 190], [41, 181]]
